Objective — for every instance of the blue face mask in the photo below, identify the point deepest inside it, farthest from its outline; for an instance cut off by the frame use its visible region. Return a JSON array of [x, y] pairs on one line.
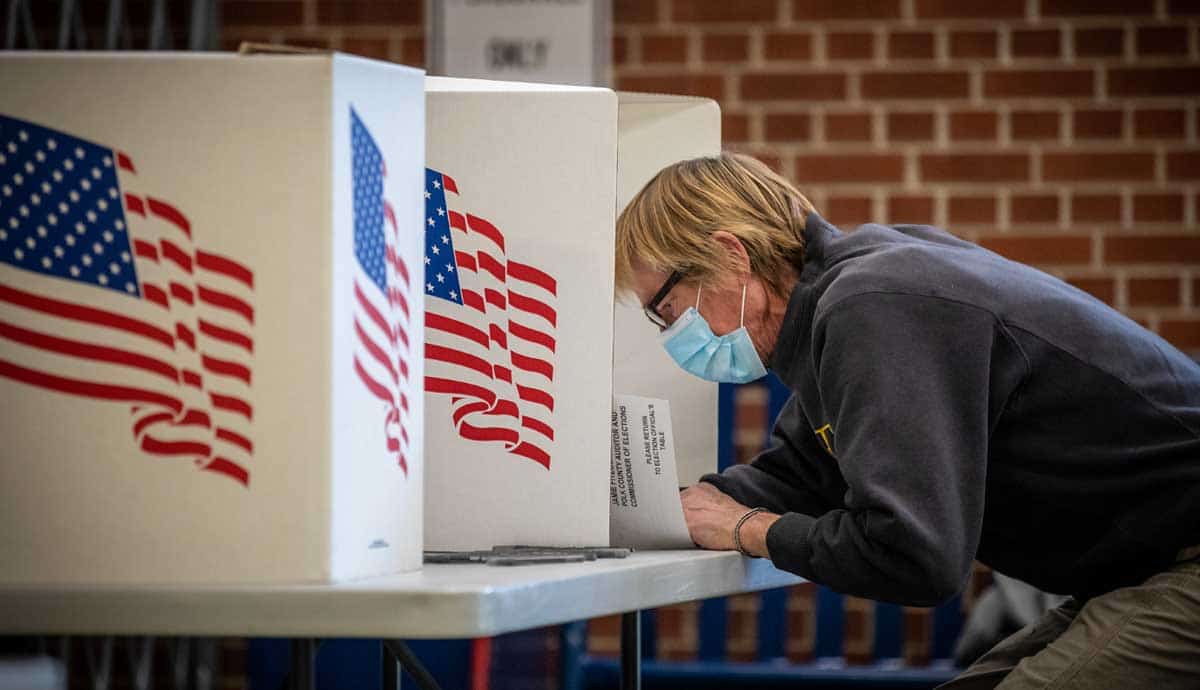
[[729, 358]]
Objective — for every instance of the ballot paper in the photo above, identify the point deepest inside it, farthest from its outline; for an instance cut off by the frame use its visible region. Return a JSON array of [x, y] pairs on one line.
[[644, 485]]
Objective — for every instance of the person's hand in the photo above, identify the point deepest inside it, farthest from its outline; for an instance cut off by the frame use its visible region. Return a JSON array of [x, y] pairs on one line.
[[711, 517]]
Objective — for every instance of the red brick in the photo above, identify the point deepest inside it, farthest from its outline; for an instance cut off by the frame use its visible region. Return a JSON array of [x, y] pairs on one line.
[[1095, 208], [1098, 166], [318, 42], [1158, 208], [1154, 292], [725, 47], [1097, 124], [634, 12], [850, 167], [1035, 208], [247, 13], [848, 126], [1183, 165], [1065, 8], [1099, 42], [973, 126], [1103, 289], [1182, 333], [1036, 43], [855, 45], [620, 49], [911, 45], [1152, 249], [971, 209], [412, 51], [915, 84], [1042, 249], [1038, 83], [812, 86], [973, 44], [849, 210], [368, 47], [787, 46], [369, 12], [1162, 40], [974, 167], [1034, 124], [1154, 81], [840, 9], [735, 127], [707, 85], [606, 626], [910, 126], [664, 48], [910, 209], [1159, 124], [740, 11], [788, 126], [970, 9]]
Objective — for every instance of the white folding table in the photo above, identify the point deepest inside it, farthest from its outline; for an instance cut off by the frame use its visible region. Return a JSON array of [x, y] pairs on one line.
[[439, 601]]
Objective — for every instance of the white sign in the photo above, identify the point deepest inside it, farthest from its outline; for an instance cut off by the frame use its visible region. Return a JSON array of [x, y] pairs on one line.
[[644, 486], [560, 41]]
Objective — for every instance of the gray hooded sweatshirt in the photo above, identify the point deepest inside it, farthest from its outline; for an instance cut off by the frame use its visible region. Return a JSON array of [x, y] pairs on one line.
[[948, 405]]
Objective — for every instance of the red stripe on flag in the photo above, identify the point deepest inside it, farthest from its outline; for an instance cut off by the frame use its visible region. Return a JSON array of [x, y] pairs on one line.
[[156, 446], [436, 384], [176, 255], [502, 373], [235, 438], [156, 295], [229, 469], [229, 268], [226, 335], [376, 388], [182, 293], [170, 214], [539, 426], [185, 334], [191, 378], [373, 313], [448, 184], [77, 312], [224, 367], [488, 263], [487, 433], [134, 204], [194, 417], [494, 298], [528, 450], [533, 306], [99, 353], [474, 300], [486, 229], [498, 335], [87, 389], [145, 250], [457, 221], [231, 404], [445, 354], [528, 334], [124, 163], [466, 261], [534, 395], [376, 352], [224, 301], [533, 364], [529, 274], [150, 419]]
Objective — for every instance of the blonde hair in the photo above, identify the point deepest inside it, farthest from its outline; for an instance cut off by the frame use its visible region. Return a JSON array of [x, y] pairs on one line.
[[668, 224]]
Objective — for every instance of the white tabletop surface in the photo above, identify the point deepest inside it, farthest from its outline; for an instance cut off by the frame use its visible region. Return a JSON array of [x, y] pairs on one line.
[[454, 600]]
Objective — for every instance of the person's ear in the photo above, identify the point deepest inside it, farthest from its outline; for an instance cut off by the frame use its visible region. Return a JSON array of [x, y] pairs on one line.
[[735, 251]]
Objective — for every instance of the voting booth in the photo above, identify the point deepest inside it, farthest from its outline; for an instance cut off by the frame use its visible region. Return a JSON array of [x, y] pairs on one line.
[[210, 318], [522, 187]]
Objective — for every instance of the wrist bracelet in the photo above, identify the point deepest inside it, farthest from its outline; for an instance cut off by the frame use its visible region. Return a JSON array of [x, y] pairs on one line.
[[737, 531]]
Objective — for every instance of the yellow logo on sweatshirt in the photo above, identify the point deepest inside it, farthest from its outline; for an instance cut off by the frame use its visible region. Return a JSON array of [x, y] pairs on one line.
[[825, 433]]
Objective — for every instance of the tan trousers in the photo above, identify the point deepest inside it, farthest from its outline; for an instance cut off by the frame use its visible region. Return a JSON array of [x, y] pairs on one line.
[[1132, 638]]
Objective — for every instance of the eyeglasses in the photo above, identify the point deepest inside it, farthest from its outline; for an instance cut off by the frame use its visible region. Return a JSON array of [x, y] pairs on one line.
[[651, 308]]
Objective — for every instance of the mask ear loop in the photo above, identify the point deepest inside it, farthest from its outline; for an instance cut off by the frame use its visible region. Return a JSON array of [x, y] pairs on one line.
[[742, 318], [698, 289]]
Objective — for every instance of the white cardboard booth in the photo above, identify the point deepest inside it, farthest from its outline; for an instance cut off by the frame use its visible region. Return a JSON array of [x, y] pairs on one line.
[[210, 318]]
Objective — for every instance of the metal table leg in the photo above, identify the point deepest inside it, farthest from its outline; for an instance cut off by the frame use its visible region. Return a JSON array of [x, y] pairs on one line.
[[631, 651], [391, 668], [411, 663], [303, 674]]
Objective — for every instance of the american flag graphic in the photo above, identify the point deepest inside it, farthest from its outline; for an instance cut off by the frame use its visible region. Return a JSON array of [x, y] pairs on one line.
[[489, 329], [105, 294], [381, 281]]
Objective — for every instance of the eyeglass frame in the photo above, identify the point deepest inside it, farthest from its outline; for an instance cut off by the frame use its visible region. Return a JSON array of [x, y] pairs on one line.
[[650, 309]]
